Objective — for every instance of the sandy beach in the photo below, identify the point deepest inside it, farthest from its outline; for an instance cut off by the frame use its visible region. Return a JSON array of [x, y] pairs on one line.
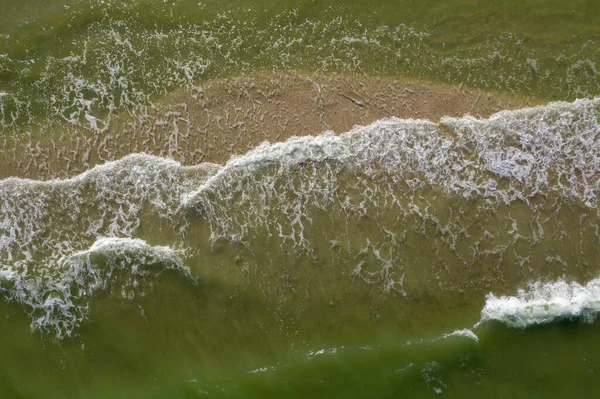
[[222, 118]]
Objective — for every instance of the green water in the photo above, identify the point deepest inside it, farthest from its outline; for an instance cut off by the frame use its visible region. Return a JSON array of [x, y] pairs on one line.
[[357, 266], [65, 59]]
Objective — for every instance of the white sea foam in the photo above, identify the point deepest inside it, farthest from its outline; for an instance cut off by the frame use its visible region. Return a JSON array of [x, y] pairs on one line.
[[465, 332], [51, 229], [322, 352], [542, 303], [59, 298], [106, 200]]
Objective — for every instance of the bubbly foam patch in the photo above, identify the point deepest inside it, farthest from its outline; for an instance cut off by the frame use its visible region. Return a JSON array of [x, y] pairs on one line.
[[55, 233], [60, 298], [542, 303]]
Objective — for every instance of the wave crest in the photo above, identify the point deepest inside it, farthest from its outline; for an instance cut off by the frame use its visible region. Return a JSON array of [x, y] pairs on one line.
[[543, 303]]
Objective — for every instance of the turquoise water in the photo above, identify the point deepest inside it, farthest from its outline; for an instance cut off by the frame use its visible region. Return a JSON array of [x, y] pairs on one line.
[[405, 258]]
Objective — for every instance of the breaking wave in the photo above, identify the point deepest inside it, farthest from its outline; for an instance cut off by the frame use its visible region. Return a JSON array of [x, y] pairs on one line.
[[542, 303], [60, 299]]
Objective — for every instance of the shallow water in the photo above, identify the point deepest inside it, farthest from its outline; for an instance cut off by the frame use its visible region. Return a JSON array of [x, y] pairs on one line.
[[389, 237], [404, 258], [79, 61]]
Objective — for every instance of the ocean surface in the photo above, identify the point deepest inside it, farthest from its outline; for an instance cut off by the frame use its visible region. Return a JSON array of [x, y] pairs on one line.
[[406, 258]]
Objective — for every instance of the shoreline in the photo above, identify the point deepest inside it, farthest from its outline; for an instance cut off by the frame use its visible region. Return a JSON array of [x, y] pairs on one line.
[[228, 117]]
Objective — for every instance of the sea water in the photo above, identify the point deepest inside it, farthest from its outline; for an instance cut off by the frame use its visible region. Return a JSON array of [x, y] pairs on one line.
[[405, 258]]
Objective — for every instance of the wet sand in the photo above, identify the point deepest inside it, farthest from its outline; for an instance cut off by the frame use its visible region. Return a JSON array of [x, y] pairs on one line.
[[218, 119]]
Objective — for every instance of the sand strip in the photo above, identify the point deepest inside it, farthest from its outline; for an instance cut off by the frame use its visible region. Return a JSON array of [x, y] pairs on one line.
[[218, 119]]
